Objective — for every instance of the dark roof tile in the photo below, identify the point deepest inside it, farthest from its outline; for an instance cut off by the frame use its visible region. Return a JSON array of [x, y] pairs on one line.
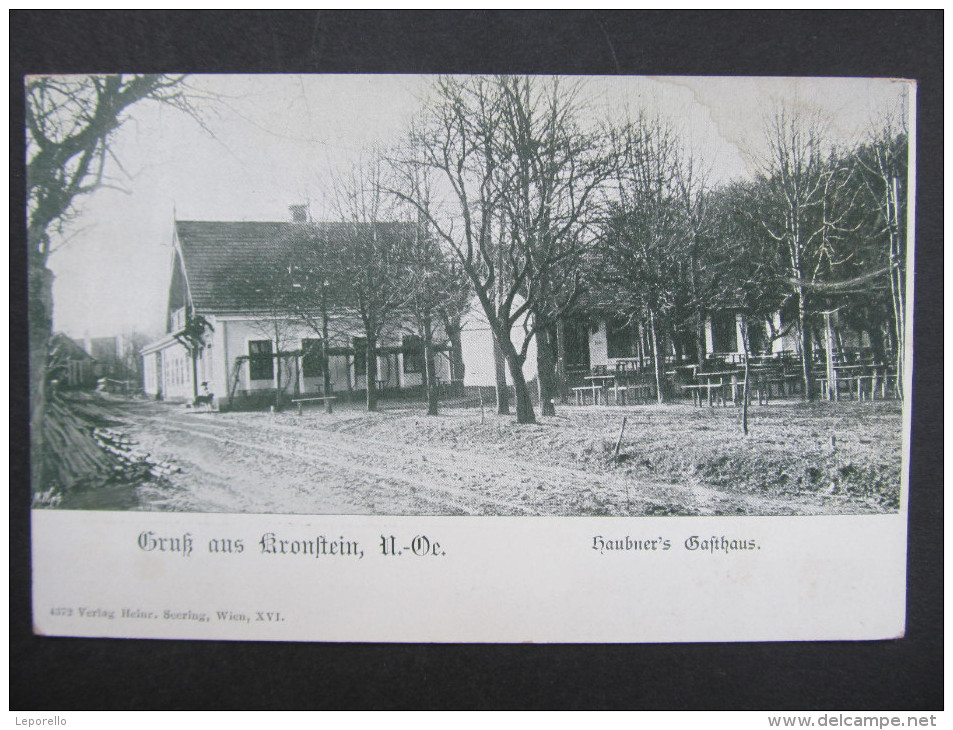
[[227, 263]]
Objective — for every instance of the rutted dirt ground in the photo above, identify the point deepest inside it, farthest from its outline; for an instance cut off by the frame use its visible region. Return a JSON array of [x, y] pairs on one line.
[[399, 461]]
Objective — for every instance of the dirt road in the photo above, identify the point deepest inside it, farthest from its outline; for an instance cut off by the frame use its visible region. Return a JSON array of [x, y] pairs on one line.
[[319, 464]]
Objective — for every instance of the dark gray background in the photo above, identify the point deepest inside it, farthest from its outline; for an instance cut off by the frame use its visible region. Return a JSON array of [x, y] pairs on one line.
[[48, 673]]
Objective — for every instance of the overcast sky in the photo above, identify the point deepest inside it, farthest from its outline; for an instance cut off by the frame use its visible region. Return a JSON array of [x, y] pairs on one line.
[[277, 140]]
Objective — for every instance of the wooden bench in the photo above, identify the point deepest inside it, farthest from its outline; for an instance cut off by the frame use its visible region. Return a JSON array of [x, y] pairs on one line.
[[761, 385], [885, 385], [633, 393], [695, 391], [764, 385], [619, 393], [582, 390], [299, 401], [711, 388], [860, 389]]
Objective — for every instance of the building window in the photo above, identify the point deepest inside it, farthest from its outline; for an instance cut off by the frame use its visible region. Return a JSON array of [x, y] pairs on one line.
[[261, 365], [621, 340], [311, 361], [413, 348], [360, 356]]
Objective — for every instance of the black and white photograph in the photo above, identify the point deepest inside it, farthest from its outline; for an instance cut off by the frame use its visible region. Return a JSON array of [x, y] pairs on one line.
[[477, 359], [412, 295]]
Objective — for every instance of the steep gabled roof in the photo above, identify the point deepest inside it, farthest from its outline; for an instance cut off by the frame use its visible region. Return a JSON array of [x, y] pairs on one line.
[[66, 348], [228, 266], [223, 260]]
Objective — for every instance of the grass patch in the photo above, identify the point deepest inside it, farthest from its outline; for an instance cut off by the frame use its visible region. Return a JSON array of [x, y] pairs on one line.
[[789, 451]]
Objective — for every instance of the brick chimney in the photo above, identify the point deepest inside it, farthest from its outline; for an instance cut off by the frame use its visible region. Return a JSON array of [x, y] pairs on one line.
[[299, 213]]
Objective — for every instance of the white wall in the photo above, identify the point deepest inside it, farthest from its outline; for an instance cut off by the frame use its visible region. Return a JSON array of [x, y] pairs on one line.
[[477, 344], [176, 373], [149, 384], [599, 346], [232, 335], [229, 339]]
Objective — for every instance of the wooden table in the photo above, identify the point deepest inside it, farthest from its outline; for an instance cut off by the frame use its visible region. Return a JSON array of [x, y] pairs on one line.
[[600, 384], [710, 385], [634, 363], [308, 399], [768, 375], [859, 372]]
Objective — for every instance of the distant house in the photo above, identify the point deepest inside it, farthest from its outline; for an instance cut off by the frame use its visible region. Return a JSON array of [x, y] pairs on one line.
[[248, 351], [107, 351], [604, 341], [70, 364], [612, 340]]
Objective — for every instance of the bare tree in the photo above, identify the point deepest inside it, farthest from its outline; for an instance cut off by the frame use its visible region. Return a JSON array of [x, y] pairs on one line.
[[438, 292], [554, 171], [808, 206], [70, 121], [754, 284], [372, 262], [518, 177], [642, 232], [315, 285], [458, 144], [705, 259], [451, 309], [884, 178]]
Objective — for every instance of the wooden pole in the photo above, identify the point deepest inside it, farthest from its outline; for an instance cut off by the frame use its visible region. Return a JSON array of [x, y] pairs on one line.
[[618, 443]]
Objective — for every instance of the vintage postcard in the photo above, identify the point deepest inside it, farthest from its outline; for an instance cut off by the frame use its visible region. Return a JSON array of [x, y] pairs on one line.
[[470, 358]]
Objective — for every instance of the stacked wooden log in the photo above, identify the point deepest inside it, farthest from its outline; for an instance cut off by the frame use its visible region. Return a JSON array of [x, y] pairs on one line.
[[70, 456], [132, 461]]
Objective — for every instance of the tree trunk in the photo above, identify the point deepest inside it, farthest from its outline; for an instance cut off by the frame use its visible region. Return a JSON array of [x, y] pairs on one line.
[[829, 360], [325, 360], [679, 350], [700, 336], [897, 284], [457, 366], [371, 373], [277, 376], [745, 390], [546, 370], [806, 350], [524, 404], [499, 357], [876, 335], [562, 378], [499, 364], [429, 379], [41, 330], [656, 358], [644, 347]]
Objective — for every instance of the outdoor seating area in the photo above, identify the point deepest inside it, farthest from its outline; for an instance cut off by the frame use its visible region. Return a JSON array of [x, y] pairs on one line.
[[620, 385], [721, 380]]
